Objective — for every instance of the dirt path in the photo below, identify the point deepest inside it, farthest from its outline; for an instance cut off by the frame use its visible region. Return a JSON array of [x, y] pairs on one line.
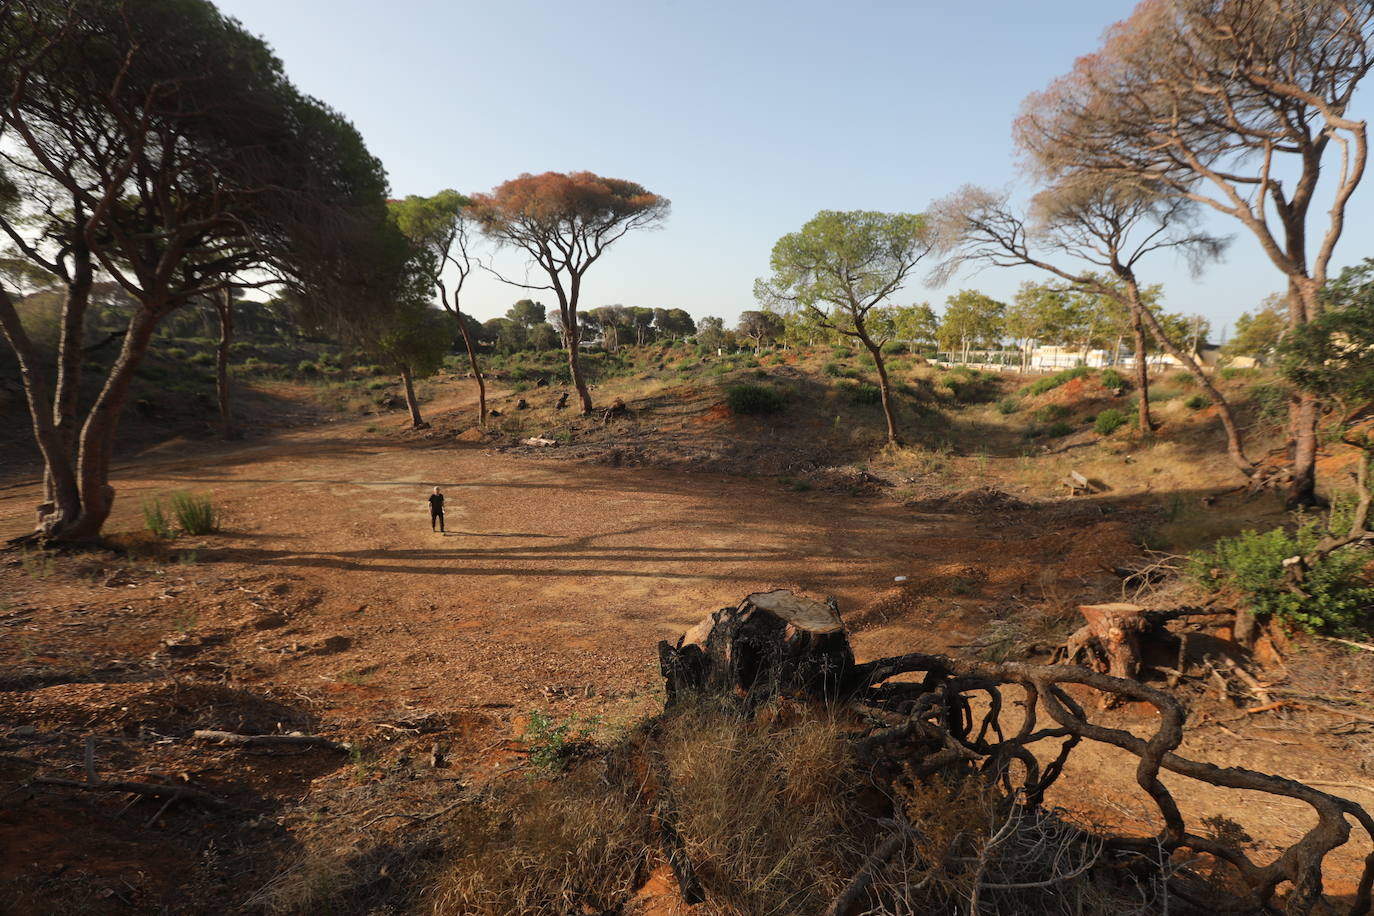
[[550, 572]]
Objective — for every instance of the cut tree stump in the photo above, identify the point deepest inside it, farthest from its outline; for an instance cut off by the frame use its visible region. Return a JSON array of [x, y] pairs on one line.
[[1116, 628], [773, 643]]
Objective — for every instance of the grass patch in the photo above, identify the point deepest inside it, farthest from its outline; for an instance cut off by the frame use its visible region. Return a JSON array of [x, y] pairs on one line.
[[195, 514], [754, 400], [1051, 382], [155, 519]]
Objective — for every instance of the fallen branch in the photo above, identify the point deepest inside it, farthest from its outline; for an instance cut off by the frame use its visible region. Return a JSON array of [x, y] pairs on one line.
[[270, 740], [154, 790]]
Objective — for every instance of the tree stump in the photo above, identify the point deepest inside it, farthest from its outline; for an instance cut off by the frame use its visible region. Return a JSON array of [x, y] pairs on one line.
[[773, 643], [1116, 628]]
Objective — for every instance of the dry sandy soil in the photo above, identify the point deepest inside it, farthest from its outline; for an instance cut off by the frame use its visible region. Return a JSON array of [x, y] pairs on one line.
[[327, 604]]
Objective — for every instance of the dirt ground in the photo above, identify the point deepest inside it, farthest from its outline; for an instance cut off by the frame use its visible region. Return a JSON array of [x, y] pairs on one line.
[[326, 604]]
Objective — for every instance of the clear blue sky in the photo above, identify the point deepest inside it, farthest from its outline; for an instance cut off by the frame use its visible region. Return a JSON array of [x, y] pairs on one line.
[[750, 116]]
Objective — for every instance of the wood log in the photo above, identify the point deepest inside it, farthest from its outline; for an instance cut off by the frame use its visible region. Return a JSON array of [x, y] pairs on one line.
[[295, 740], [772, 643]]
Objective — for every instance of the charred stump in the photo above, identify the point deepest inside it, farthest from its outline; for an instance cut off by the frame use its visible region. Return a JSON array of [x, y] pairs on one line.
[[772, 643]]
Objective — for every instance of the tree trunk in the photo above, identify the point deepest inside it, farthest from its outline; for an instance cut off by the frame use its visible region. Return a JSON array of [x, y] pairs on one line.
[[1142, 372], [471, 347], [572, 340], [1234, 446], [57, 461], [416, 421], [66, 498], [225, 308], [884, 389], [1303, 412], [772, 643], [96, 448]]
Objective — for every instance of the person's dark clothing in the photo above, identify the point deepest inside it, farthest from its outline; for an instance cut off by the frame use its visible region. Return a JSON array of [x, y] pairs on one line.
[[436, 510]]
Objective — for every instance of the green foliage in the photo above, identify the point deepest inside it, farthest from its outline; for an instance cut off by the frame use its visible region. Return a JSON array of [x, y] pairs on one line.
[[1109, 421], [307, 367], [1333, 355], [754, 400], [1270, 402], [1051, 382], [1339, 597], [155, 519], [861, 392], [1230, 373], [1055, 430], [1051, 412], [195, 514], [1112, 379], [1197, 402], [1008, 406], [551, 744]]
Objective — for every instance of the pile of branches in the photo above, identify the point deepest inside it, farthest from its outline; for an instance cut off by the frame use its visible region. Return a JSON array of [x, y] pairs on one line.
[[1010, 727]]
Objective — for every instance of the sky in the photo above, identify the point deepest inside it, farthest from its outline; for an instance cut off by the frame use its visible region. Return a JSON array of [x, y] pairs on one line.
[[750, 116]]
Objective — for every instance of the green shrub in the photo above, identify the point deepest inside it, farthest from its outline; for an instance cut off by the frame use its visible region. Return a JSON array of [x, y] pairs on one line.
[[307, 367], [1008, 406], [861, 392], [1112, 379], [176, 353], [195, 514], [1109, 421], [1183, 379], [1055, 430], [1197, 402], [1235, 372], [202, 359], [1160, 394], [1339, 597], [1271, 402], [155, 519], [1051, 412], [1051, 382], [833, 369], [377, 384], [754, 400]]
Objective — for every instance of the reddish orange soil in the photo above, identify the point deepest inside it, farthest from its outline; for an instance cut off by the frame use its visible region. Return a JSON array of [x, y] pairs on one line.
[[327, 604]]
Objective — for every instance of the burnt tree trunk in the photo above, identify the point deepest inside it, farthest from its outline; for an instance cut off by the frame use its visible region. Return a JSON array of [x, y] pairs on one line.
[[772, 643]]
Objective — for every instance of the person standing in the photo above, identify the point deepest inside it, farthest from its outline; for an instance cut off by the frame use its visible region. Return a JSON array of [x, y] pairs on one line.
[[436, 510]]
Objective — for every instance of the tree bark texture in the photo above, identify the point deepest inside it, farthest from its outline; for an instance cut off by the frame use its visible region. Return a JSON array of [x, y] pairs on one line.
[[225, 308], [416, 421], [471, 346], [771, 643]]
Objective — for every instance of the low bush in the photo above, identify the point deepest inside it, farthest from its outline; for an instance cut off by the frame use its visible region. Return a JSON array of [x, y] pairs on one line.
[[1051, 412], [1055, 430], [833, 369], [754, 400], [1051, 382], [307, 367], [377, 384], [195, 514], [1235, 372], [861, 392], [1008, 406], [1339, 597], [1112, 379], [1270, 402], [1197, 402], [1109, 421]]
